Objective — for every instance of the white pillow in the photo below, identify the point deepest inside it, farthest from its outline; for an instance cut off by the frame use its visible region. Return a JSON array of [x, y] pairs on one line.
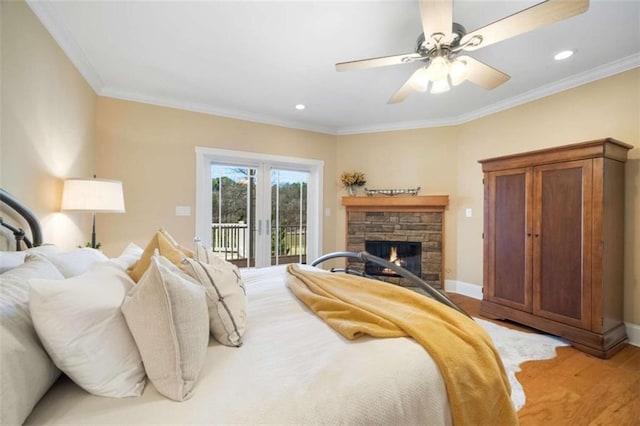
[[131, 254], [167, 315], [226, 298], [44, 249], [11, 259], [76, 262], [26, 372], [82, 328]]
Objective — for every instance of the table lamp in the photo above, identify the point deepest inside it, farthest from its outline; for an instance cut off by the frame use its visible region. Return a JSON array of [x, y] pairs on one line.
[[94, 195]]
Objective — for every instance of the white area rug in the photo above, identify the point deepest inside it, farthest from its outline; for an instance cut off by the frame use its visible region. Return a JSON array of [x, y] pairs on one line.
[[516, 347]]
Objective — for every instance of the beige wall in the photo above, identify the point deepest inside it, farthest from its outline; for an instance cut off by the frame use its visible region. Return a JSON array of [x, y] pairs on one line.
[[445, 160], [48, 113], [151, 150]]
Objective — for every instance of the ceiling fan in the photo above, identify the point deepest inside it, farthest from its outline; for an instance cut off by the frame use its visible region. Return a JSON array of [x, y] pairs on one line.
[[443, 41]]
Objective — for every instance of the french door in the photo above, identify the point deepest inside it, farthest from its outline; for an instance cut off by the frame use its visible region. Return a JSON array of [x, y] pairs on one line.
[[258, 210]]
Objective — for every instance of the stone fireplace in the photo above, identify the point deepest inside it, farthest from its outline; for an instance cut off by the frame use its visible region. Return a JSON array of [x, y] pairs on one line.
[[409, 228]]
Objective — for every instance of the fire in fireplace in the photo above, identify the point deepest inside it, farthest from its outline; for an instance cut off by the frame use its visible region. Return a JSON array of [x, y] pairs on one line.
[[403, 253]]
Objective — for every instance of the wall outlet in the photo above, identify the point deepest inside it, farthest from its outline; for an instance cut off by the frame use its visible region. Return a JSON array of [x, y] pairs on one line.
[[468, 212]]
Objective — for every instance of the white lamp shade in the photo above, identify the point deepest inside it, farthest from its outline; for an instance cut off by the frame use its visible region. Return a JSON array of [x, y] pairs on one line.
[[96, 195], [438, 69]]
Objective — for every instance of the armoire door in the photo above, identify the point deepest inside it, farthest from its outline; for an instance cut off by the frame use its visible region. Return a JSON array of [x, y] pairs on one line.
[[562, 242], [508, 250]]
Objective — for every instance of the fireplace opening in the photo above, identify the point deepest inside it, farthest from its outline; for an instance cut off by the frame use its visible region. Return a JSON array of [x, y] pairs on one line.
[[403, 253]]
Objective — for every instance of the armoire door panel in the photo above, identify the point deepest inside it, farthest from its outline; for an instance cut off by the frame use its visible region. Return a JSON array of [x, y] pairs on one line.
[[562, 235], [511, 250]]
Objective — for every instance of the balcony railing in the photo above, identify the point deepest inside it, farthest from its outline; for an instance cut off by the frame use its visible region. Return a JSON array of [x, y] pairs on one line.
[[233, 241]]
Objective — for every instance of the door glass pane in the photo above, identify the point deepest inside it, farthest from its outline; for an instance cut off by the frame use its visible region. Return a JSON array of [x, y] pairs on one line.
[[288, 216], [233, 205]]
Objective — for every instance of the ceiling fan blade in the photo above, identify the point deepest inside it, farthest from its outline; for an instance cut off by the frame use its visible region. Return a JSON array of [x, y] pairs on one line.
[[404, 90], [482, 74], [437, 17], [377, 62], [527, 20]]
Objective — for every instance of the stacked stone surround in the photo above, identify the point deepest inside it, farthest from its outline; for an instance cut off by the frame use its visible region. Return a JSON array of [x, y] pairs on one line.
[[425, 227]]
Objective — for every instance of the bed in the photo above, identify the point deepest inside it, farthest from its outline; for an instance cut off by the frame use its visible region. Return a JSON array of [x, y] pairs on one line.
[[291, 369]]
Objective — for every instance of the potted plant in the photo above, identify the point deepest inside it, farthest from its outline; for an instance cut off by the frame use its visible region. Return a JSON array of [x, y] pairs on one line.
[[352, 180]]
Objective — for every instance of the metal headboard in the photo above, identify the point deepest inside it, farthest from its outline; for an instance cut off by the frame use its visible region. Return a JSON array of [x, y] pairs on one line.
[[29, 217]]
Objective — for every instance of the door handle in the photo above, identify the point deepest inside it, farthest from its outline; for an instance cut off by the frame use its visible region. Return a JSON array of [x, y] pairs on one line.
[[259, 227], [267, 227]]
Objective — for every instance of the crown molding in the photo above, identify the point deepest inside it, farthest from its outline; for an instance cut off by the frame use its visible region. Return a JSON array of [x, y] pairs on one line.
[[207, 109], [597, 73], [47, 15]]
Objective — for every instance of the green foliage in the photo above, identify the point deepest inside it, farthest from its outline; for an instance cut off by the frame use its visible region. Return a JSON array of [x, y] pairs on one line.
[[289, 199], [234, 199], [98, 245]]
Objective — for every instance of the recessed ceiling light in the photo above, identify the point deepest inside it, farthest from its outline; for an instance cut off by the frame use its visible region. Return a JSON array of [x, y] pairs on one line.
[[564, 55], [300, 107]]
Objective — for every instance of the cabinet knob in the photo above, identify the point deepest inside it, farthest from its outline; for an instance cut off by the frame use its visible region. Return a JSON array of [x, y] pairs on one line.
[[536, 235], [528, 234]]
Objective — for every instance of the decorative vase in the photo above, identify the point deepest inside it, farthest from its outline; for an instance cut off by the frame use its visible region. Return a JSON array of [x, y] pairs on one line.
[[352, 189]]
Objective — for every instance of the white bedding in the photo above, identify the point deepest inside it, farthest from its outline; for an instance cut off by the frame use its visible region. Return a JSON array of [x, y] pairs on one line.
[[292, 368]]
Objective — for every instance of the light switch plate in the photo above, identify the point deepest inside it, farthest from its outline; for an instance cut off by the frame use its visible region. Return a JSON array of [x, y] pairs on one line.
[[468, 213], [183, 211]]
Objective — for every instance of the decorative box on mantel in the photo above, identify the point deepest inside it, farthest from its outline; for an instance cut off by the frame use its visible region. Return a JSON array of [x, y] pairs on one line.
[[406, 230]]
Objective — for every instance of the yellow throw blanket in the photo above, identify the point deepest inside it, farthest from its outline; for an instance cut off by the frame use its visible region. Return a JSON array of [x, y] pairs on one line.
[[477, 385]]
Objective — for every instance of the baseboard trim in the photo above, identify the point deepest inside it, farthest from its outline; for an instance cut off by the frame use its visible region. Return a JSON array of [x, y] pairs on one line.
[[475, 291], [633, 333], [465, 289]]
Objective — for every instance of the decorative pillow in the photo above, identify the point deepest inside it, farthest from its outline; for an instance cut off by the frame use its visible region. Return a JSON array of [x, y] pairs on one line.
[[183, 249], [128, 257], [206, 255], [76, 262], [82, 328], [26, 372], [166, 246], [167, 315], [226, 299]]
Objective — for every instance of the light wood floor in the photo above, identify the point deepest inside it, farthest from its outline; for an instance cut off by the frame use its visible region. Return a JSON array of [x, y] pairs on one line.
[[575, 388]]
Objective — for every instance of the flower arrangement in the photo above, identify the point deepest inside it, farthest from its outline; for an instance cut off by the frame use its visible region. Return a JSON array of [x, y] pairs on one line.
[[352, 179]]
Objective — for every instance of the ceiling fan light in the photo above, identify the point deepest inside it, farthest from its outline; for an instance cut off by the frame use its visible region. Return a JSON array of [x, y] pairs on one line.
[[440, 86], [438, 69], [458, 71], [420, 81]]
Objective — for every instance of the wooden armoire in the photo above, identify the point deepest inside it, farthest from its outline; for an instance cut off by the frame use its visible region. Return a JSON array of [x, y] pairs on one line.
[[553, 242]]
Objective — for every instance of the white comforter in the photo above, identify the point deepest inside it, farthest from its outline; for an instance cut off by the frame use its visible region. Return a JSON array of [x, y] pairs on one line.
[[292, 368]]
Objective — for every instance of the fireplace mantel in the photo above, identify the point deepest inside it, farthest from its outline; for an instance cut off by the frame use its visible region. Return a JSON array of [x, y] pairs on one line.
[[397, 203]]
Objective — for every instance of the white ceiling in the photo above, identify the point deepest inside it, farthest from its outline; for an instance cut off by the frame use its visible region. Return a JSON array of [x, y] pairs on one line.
[[256, 60]]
